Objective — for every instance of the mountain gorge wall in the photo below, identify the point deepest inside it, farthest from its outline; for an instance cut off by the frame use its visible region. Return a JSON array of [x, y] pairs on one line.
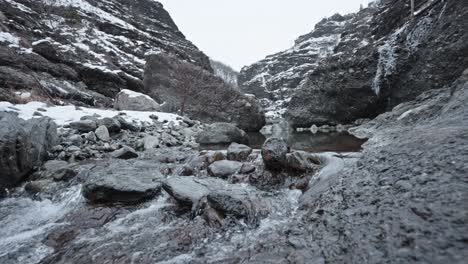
[[381, 56], [84, 51]]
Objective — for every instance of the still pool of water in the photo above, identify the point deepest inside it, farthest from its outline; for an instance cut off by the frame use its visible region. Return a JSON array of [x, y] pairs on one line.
[[306, 141]]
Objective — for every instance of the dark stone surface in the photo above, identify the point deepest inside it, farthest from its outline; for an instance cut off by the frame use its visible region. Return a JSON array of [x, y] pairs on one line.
[[238, 152], [222, 133], [15, 145], [122, 182]]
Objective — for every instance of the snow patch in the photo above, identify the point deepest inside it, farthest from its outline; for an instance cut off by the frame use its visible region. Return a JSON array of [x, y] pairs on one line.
[[64, 115]]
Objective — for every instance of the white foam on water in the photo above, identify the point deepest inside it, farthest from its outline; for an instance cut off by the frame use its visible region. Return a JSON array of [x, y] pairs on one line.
[[25, 221]]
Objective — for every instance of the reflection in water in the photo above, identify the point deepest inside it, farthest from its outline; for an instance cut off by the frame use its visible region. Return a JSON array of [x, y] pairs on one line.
[[319, 142], [306, 141]]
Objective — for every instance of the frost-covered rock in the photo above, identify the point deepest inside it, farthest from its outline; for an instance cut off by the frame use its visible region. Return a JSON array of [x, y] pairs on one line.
[[130, 100]]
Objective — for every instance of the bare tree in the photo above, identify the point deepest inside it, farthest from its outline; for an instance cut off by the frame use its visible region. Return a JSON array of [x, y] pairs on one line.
[[193, 83]]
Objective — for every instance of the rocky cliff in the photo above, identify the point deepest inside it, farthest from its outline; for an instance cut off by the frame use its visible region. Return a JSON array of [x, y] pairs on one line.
[[385, 59], [275, 79], [84, 51]]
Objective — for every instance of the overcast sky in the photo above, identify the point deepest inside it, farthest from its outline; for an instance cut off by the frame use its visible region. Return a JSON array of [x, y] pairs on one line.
[[241, 32]]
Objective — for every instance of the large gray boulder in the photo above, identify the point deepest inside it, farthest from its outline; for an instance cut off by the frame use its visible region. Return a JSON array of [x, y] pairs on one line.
[[126, 182], [199, 94], [224, 168], [16, 160], [43, 134], [23, 145], [130, 100], [222, 133], [230, 199], [238, 152]]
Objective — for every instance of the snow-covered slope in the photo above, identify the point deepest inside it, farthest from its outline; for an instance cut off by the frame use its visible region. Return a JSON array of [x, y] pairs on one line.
[[275, 78], [84, 50], [225, 72]]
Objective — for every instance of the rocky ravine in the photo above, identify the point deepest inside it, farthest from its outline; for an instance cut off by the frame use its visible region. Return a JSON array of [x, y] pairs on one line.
[[362, 64], [402, 200]]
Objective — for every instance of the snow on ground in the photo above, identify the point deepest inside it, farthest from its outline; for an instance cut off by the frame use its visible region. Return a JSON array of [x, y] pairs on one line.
[[133, 94], [63, 115]]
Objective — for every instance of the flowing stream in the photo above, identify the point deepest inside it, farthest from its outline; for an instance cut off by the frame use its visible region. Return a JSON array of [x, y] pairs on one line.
[[65, 229]]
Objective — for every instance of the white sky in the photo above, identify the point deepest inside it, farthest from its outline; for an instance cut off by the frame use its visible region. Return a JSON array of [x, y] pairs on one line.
[[241, 32]]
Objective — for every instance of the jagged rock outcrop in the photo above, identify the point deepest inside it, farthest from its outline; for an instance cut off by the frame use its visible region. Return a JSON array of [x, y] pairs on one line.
[[84, 51], [275, 78], [385, 57], [191, 90], [23, 145]]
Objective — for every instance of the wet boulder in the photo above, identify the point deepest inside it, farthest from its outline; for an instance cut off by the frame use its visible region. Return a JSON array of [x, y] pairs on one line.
[[274, 153], [301, 161], [224, 168], [238, 152], [125, 182], [58, 170], [222, 133], [204, 194], [189, 190], [238, 203], [130, 100]]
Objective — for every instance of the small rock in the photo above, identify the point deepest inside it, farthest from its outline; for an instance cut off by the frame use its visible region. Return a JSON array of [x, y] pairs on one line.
[[125, 152], [150, 142], [113, 126], [247, 168], [91, 136], [84, 126], [238, 152], [102, 133]]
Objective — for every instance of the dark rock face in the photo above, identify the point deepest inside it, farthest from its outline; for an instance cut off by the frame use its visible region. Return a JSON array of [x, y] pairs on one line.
[[193, 91], [222, 133], [43, 134], [16, 160], [274, 153], [274, 79], [122, 182], [384, 58], [85, 52], [23, 145]]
